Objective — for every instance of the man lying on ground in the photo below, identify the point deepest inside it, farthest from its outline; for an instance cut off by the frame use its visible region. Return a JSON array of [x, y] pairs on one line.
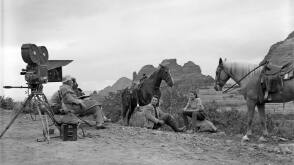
[[156, 118]]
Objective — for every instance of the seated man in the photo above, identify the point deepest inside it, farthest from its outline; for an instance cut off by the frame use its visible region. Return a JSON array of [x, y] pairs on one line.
[[55, 102], [79, 92], [155, 118], [71, 103]]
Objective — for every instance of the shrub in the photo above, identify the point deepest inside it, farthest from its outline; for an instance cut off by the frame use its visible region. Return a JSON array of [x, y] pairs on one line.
[[6, 102], [112, 106], [231, 122]]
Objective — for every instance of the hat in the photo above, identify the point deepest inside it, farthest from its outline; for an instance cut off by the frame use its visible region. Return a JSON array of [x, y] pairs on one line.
[[73, 79], [66, 78]]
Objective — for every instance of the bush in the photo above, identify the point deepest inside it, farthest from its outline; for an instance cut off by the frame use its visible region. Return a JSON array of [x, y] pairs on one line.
[[231, 122], [6, 103], [112, 106], [235, 122]]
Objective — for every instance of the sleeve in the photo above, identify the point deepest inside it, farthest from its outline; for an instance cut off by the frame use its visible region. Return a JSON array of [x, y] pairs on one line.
[[188, 104], [149, 115], [160, 112], [67, 96], [200, 105]]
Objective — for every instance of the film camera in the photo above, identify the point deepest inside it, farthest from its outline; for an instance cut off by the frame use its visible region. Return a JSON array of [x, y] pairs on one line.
[[39, 69]]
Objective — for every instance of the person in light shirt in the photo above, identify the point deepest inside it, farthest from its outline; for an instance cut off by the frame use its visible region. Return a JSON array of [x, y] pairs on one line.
[[194, 105]]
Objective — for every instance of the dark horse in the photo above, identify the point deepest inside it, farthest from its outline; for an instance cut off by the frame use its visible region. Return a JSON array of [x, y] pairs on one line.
[[142, 96], [250, 87]]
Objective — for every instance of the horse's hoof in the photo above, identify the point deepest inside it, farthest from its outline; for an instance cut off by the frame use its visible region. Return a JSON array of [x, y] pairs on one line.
[[245, 139], [262, 139]]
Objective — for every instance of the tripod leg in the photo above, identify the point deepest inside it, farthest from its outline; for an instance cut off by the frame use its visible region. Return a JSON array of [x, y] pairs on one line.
[[47, 128], [10, 123], [13, 119], [49, 111], [45, 131]]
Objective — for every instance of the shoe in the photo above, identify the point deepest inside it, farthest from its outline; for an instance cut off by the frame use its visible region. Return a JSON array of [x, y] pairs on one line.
[[100, 127], [190, 131], [107, 120], [182, 129]]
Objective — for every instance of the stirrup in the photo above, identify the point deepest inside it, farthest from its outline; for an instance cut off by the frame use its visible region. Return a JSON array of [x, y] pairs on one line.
[[266, 95], [269, 98]]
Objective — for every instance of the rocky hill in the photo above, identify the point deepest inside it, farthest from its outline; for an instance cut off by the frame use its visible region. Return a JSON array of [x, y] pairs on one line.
[[186, 76], [281, 53], [118, 85], [189, 75]]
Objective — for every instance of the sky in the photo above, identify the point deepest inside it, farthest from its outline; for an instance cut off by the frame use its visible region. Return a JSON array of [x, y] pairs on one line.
[[109, 39]]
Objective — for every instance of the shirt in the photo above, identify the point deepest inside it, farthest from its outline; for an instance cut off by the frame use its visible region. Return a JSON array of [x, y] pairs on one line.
[[55, 99], [194, 104]]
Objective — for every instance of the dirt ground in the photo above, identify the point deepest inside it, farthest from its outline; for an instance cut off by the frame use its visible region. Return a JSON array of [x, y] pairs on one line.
[[126, 145]]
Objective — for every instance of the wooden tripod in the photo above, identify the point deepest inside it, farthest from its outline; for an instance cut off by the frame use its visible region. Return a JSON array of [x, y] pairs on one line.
[[39, 100]]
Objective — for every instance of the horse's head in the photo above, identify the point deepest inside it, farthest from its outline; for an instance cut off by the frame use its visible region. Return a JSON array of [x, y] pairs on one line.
[[165, 75], [221, 76]]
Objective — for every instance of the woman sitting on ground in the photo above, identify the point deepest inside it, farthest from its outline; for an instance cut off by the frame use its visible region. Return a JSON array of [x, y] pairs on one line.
[[194, 106]]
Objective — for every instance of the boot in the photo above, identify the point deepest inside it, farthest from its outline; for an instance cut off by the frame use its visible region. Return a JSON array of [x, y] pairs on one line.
[[100, 126], [170, 122], [186, 121]]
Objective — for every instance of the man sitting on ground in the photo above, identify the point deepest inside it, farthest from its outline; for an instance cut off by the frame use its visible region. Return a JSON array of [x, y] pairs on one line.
[[71, 103], [156, 118]]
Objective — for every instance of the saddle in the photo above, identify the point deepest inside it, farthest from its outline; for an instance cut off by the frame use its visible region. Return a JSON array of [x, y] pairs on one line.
[[272, 69], [273, 76], [279, 65]]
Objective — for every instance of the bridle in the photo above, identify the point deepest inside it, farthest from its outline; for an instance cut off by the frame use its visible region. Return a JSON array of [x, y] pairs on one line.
[[220, 68], [167, 76], [219, 81]]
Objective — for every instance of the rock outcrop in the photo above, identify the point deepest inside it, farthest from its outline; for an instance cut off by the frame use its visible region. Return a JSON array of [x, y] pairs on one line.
[[281, 53], [118, 85], [186, 76]]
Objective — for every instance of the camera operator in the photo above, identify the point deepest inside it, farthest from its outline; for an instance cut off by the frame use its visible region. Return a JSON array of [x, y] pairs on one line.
[[70, 102], [79, 92]]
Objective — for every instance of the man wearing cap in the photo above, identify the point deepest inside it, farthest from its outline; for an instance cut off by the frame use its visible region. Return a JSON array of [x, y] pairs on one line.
[[70, 102], [79, 92]]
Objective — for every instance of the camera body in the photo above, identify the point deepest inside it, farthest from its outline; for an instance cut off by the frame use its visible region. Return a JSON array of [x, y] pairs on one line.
[[39, 69]]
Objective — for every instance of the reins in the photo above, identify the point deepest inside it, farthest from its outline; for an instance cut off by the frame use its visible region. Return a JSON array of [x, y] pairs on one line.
[[238, 82]]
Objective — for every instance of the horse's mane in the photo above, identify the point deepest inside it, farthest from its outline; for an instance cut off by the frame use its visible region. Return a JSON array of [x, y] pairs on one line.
[[156, 71], [242, 69], [153, 74]]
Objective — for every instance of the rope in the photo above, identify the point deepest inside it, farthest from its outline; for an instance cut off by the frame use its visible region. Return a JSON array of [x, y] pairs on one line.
[[238, 82]]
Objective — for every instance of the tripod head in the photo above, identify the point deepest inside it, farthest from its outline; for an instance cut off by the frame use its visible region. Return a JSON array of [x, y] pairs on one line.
[[39, 69]]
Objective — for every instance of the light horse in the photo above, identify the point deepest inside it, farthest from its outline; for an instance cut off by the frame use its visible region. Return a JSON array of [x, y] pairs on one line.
[[143, 95], [250, 88]]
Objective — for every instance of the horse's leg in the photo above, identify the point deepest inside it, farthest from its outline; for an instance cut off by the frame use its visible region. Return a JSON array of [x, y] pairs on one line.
[[131, 110], [261, 111], [250, 109], [124, 114]]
